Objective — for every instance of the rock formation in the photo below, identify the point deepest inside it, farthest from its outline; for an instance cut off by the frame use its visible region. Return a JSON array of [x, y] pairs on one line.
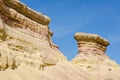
[[25, 37], [28, 53], [91, 52]]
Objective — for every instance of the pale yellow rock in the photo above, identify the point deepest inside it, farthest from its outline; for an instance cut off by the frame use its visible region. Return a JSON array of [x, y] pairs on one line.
[[25, 38], [28, 53], [91, 56]]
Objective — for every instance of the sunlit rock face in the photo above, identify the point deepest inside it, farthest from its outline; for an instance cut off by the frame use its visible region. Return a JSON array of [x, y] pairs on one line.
[[28, 53], [25, 37], [91, 55], [91, 49]]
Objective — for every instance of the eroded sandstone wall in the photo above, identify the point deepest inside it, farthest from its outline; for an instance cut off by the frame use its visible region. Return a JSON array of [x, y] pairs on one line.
[[25, 37], [28, 53]]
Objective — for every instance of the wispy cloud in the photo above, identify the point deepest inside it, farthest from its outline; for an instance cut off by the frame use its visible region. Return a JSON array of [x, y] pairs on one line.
[[62, 31]]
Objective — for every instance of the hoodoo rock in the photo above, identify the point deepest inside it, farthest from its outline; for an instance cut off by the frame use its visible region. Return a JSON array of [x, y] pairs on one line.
[[91, 50], [27, 51], [92, 57]]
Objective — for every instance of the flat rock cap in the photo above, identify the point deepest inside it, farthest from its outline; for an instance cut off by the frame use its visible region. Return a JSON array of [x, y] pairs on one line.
[[26, 11], [88, 37]]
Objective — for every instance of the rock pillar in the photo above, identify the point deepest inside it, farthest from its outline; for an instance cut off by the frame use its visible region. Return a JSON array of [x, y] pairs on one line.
[[91, 43], [91, 52]]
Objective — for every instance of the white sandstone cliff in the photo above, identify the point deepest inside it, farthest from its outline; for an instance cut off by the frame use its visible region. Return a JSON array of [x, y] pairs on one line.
[[28, 53]]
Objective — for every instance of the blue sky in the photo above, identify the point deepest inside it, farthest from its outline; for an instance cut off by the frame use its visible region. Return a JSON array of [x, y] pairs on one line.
[[93, 16]]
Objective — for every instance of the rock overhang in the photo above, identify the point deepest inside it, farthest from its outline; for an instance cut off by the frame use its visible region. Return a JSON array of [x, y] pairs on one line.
[[30, 13], [88, 37]]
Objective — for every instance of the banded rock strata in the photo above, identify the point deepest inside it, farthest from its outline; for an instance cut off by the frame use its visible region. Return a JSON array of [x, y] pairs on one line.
[[25, 37], [28, 53]]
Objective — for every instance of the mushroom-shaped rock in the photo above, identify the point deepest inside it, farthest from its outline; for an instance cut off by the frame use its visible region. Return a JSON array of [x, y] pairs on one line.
[[91, 42], [91, 49]]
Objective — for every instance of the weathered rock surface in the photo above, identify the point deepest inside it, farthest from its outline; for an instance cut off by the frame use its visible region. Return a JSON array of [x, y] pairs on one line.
[[91, 57], [28, 53], [25, 37]]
